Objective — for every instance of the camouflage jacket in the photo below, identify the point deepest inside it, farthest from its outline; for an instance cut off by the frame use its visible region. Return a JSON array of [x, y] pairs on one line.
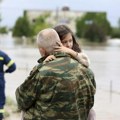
[[62, 89]]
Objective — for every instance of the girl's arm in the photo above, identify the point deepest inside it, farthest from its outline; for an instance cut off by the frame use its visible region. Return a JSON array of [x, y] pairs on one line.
[[81, 57]]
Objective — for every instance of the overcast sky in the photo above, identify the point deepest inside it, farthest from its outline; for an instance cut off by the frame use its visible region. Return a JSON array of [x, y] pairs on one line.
[[12, 9]]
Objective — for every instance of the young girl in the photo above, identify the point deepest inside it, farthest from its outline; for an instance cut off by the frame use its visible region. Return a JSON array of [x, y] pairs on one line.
[[69, 45]]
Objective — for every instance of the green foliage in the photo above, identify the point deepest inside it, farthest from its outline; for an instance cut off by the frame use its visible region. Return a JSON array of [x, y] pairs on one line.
[[93, 26], [95, 33], [115, 33], [40, 23], [3, 30], [22, 27]]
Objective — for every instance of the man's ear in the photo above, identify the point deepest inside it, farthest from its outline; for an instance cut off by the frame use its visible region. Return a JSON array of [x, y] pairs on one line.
[[42, 52]]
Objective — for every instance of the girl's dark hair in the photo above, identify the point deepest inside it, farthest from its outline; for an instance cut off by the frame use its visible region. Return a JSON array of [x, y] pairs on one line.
[[62, 31]]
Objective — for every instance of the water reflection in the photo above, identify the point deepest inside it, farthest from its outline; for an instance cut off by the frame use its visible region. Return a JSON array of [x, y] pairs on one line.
[[6, 40], [114, 42]]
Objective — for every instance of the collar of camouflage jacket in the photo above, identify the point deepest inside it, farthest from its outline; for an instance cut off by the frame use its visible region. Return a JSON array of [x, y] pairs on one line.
[[56, 54]]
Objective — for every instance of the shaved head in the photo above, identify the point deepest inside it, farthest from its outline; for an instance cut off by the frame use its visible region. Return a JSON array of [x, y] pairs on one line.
[[47, 39]]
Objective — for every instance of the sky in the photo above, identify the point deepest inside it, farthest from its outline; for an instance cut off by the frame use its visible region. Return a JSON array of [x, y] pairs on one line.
[[10, 10]]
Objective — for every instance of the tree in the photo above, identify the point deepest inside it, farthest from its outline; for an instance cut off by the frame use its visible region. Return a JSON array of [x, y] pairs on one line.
[[22, 27], [3, 30], [93, 26], [115, 33], [40, 23], [95, 33]]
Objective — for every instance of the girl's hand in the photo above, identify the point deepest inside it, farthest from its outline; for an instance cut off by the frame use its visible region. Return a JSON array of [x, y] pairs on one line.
[[50, 58], [61, 48]]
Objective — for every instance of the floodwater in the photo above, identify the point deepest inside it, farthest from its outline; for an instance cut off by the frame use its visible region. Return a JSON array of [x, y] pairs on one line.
[[105, 62]]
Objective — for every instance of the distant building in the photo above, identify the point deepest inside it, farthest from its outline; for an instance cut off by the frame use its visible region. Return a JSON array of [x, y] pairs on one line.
[[58, 16]]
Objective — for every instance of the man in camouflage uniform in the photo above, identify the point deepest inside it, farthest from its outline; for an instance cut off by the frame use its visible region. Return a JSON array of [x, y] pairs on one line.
[[62, 89]]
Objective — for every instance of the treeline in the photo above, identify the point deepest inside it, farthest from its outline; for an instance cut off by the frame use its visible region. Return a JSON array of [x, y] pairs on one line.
[[23, 27], [92, 26]]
